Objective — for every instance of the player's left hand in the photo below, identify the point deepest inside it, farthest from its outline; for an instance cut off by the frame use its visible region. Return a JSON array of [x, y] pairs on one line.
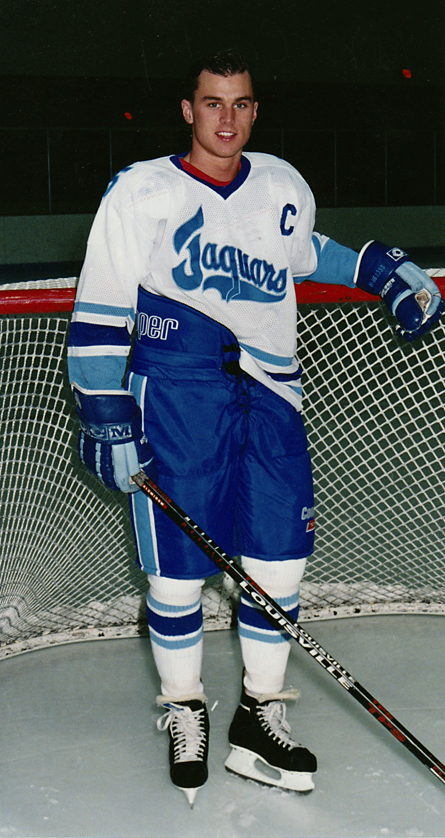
[[410, 294]]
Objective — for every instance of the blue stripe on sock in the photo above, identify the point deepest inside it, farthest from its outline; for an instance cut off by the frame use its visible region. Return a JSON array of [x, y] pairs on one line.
[[176, 642], [162, 607], [253, 616], [175, 626], [263, 637]]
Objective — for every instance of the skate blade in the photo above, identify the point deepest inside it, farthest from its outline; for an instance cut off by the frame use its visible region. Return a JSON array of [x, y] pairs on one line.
[[246, 764], [190, 794]]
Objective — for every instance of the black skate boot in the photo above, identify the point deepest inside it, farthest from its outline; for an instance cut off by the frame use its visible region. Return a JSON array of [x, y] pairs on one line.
[[188, 727], [260, 737]]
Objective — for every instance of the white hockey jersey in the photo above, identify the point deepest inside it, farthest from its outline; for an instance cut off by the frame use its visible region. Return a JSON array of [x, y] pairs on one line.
[[231, 252]]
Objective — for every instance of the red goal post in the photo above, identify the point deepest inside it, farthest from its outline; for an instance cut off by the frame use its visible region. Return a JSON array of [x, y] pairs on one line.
[[374, 411]]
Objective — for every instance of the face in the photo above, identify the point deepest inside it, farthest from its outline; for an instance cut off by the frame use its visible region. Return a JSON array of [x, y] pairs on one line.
[[221, 115]]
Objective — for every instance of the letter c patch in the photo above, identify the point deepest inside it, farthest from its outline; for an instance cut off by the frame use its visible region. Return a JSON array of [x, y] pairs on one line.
[[288, 209]]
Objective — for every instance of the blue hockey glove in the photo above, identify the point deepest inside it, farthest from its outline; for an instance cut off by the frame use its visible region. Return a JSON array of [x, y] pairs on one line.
[[410, 294], [111, 441]]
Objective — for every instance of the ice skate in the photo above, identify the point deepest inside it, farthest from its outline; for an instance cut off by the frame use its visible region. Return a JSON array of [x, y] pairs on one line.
[[187, 722], [262, 748]]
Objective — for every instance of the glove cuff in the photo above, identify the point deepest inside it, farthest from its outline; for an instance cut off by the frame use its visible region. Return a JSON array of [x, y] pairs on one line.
[[376, 265], [112, 417]]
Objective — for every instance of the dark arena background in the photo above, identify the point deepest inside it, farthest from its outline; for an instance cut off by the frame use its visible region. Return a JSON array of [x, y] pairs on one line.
[[353, 95]]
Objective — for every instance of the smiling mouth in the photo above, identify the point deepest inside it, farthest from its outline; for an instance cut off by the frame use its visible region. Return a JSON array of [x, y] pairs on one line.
[[226, 135]]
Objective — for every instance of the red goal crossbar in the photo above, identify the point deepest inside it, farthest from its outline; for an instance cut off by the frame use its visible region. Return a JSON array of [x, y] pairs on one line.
[[36, 300], [46, 300]]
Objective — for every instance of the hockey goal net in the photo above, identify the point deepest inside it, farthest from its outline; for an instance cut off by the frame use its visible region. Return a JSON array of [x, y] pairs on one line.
[[374, 411]]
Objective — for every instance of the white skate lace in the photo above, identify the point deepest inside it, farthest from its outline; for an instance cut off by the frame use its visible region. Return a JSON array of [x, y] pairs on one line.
[[273, 719], [188, 734]]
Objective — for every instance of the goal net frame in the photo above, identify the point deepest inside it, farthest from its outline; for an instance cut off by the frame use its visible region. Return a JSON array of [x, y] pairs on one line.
[[374, 412]]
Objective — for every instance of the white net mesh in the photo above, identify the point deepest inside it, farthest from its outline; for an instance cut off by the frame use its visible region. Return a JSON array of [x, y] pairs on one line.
[[375, 420], [374, 408]]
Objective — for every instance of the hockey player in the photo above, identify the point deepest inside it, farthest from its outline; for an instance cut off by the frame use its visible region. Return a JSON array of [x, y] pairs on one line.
[[200, 253]]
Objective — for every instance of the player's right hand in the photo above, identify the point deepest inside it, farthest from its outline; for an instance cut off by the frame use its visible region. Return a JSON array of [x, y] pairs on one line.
[[111, 440]]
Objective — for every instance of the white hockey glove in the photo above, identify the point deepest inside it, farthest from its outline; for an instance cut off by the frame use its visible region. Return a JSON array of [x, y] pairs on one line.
[[410, 294], [111, 441]]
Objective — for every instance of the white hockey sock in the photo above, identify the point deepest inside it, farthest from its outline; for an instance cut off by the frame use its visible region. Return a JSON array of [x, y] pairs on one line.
[[174, 614], [265, 650]]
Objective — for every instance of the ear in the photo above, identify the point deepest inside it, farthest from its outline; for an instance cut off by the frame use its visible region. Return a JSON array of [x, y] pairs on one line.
[[187, 111], [255, 112]]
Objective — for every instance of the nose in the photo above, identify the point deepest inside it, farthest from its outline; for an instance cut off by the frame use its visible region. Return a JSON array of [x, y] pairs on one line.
[[227, 115]]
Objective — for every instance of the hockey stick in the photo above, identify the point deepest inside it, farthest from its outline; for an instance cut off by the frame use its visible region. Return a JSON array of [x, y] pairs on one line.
[[281, 620]]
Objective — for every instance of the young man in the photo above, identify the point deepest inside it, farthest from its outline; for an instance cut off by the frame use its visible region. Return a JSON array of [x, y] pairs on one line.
[[201, 251]]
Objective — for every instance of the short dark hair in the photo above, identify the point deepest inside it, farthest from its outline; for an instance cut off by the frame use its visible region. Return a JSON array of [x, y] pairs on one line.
[[226, 62]]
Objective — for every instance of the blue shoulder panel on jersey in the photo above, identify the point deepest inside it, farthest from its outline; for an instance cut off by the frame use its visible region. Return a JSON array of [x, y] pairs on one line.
[[336, 264], [115, 178], [224, 191]]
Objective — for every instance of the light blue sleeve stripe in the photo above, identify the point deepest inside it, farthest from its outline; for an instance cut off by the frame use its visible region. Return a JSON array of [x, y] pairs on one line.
[[105, 310], [267, 357]]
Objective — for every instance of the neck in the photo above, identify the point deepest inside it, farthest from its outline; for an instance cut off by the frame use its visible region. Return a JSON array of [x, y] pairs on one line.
[[219, 168]]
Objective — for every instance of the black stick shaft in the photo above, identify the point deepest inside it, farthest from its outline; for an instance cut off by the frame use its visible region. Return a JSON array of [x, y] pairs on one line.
[[282, 621]]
